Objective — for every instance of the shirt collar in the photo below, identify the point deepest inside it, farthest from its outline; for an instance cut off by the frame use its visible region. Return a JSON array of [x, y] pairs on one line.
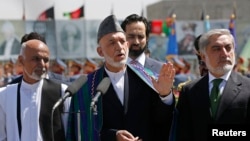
[[31, 87], [224, 77], [115, 75], [141, 59]]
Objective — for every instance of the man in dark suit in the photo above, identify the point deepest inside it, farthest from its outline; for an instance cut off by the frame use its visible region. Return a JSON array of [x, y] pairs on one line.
[[137, 30], [204, 105], [130, 109]]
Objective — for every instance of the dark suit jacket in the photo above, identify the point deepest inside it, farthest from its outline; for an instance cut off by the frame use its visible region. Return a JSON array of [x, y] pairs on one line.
[[194, 107], [143, 115], [153, 65]]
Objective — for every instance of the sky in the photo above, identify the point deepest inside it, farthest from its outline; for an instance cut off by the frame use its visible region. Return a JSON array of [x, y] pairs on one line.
[[99, 9], [94, 9]]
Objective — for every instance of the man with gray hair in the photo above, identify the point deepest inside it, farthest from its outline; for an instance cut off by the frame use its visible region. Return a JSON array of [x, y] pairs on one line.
[[220, 99], [25, 107], [130, 109]]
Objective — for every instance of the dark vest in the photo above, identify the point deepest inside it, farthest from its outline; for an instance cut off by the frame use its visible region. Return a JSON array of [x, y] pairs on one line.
[[51, 93]]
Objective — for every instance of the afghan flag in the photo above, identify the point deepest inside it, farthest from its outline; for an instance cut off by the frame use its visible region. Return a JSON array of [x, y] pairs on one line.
[[207, 23], [166, 26], [232, 28], [156, 27], [76, 14], [172, 46], [47, 14]]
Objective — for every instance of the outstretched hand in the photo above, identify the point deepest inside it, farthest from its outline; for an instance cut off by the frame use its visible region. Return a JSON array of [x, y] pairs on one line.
[[165, 80]]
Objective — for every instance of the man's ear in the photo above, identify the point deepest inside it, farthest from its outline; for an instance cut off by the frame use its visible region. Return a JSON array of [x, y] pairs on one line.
[[99, 51], [202, 55], [20, 59]]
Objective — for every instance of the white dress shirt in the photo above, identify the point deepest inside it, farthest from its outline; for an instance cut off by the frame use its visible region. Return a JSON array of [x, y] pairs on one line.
[[30, 101], [222, 84], [117, 80]]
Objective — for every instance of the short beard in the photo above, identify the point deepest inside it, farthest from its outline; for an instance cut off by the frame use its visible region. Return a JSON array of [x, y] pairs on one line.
[[220, 70], [111, 61], [136, 53], [35, 76]]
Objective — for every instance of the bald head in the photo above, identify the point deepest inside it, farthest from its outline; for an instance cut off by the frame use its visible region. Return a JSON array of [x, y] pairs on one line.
[[35, 45], [34, 57]]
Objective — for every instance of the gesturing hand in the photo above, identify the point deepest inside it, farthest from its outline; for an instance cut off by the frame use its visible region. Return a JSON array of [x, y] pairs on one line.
[[165, 80]]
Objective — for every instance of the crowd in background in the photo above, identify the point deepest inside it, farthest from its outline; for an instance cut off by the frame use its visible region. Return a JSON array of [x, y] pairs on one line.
[[67, 70], [123, 51], [72, 69]]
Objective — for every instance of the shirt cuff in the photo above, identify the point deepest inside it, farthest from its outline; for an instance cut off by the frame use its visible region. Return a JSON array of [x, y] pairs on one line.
[[168, 100]]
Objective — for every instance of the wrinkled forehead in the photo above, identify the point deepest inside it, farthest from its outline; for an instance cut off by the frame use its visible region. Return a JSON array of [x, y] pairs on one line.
[[114, 36], [36, 44]]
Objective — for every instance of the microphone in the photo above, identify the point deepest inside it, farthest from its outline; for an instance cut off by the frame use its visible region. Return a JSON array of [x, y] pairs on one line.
[[101, 89], [72, 89]]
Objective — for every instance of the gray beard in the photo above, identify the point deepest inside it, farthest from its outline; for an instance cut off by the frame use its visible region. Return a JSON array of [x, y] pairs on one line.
[[35, 76]]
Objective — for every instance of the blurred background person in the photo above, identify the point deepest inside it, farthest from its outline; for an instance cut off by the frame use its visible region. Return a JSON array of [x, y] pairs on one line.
[[186, 43], [75, 70], [239, 66], [10, 44], [58, 70], [202, 66], [89, 66], [7, 72], [248, 68]]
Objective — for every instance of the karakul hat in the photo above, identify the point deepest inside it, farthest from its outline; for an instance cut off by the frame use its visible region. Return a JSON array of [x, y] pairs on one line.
[[108, 25]]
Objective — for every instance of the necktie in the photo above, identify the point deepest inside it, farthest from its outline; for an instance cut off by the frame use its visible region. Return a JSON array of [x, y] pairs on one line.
[[214, 96]]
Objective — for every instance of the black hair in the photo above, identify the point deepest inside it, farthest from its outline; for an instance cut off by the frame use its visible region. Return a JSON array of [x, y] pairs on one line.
[[31, 36], [136, 18], [196, 46]]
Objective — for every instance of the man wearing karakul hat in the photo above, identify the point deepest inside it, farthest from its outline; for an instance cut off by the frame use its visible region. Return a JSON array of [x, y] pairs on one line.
[[130, 109]]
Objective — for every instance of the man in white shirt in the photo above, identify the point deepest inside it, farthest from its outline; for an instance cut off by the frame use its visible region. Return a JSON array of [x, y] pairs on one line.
[[26, 107], [137, 30]]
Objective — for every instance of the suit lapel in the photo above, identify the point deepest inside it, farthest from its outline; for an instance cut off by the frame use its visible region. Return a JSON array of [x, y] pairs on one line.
[[148, 64], [230, 92], [126, 92], [201, 98], [141, 76], [151, 67]]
